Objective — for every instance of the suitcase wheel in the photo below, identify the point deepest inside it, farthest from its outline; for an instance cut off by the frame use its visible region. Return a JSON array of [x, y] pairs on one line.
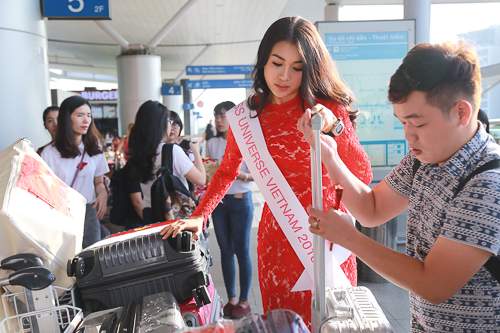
[[76, 267], [190, 319]]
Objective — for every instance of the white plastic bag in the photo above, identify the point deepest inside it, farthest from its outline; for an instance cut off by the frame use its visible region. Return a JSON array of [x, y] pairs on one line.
[[39, 213]]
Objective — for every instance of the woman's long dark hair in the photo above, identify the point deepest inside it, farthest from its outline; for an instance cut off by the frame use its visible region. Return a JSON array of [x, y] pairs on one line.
[[320, 79], [65, 137], [149, 129]]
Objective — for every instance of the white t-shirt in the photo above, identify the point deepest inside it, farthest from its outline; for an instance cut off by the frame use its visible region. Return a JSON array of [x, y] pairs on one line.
[[65, 169], [181, 166]]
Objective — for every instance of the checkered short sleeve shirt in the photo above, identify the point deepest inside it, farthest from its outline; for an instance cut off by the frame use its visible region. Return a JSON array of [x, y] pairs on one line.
[[471, 217]]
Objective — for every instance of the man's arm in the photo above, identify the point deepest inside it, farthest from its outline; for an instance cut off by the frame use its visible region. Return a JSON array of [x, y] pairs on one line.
[[371, 207], [447, 267]]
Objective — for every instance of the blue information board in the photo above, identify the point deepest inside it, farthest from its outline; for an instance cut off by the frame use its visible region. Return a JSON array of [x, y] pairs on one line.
[[219, 70], [367, 53], [217, 84], [76, 9], [170, 89]]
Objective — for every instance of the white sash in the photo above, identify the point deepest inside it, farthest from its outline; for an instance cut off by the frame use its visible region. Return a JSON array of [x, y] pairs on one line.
[[282, 201]]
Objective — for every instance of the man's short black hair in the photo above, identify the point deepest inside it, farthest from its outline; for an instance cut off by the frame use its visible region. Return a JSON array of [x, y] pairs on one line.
[[222, 107], [444, 72], [482, 116], [47, 110]]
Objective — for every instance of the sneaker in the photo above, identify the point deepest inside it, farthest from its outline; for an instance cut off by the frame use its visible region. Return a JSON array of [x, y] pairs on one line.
[[227, 310], [240, 311]]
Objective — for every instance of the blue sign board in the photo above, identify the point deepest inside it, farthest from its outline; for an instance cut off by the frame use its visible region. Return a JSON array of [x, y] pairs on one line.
[[170, 89], [187, 106], [219, 70], [76, 9], [217, 84]]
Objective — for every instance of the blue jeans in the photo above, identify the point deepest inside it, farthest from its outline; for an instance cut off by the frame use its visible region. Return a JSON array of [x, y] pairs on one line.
[[232, 223], [91, 227]]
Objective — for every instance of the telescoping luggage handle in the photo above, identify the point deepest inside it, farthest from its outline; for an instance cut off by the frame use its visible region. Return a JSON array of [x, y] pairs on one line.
[[319, 295], [322, 274]]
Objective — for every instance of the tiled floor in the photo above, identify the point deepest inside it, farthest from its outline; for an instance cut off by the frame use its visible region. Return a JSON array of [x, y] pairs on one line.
[[392, 299]]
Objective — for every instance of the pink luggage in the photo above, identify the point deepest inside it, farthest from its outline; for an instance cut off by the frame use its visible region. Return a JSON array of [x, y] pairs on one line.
[[206, 314]]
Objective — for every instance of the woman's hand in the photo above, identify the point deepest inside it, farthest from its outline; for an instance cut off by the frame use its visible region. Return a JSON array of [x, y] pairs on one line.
[[100, 204], [327, 116], [193, 224], [333, 225], [328, 144], [194, 145]]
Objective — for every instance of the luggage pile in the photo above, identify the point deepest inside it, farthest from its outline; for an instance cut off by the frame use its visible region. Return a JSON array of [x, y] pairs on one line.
[[123, 269]]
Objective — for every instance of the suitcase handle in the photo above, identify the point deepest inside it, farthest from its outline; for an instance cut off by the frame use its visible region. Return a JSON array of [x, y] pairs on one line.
[[319, 297]]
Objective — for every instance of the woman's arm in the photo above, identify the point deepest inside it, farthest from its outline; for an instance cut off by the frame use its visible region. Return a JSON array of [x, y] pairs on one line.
[[197, 175], [137, 203], [101, 197], [220, 183]]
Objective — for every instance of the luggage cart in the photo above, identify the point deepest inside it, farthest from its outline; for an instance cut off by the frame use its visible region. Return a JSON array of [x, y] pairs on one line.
[[31, 303], [40, 311]]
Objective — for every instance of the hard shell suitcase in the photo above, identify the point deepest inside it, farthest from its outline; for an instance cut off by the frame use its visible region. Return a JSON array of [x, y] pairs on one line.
[[343, 309], [276, 321], [353, 310], [122, 269], [153, 313]]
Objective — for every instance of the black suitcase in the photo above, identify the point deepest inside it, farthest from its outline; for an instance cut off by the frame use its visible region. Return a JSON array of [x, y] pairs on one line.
[[117, 271]]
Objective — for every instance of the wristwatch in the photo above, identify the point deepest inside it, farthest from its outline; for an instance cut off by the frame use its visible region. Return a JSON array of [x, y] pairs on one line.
[[337, 127]]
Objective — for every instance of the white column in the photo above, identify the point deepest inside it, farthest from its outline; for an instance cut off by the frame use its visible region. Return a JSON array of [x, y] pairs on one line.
[[332, 11], [139, 80], [24, 79], [420, 11], [174, 103]]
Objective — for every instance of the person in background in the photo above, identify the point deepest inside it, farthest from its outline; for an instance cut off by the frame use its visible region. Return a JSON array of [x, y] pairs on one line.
[[174, 136], [482, 116], [50, 123], [207, 135], [294, 72], [451, 231], [151, 129], [76, 157], [125, 140], [232, 220]]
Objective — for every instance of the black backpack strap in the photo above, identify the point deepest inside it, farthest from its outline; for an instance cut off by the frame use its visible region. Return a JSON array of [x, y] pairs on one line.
[[493, 263], [167, 163], [415, 166], [167, 159], [493, 266], [491, 165]]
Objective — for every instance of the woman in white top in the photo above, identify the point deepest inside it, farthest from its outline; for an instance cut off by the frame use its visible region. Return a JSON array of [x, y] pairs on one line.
[[150, 130], [76, 158]]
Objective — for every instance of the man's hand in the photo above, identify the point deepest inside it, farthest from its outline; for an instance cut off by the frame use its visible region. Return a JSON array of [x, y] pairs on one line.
[[333, 225]]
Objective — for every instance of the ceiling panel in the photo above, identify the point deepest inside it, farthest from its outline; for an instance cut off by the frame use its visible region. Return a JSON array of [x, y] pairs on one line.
[[218, 23]]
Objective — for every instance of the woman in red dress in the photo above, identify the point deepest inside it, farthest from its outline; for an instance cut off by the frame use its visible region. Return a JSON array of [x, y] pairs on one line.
[[294, 72]]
